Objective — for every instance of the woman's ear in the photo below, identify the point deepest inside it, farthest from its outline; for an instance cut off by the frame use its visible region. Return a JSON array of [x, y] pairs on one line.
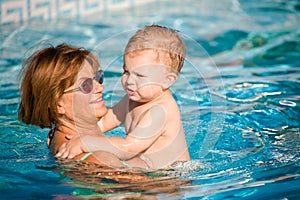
[[61, 108], [171, 77]]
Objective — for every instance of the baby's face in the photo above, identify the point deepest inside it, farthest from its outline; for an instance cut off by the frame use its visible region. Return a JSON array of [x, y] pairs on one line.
[[144, 76]]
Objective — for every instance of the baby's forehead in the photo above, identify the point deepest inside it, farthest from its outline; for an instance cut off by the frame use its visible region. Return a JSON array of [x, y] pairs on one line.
[[155, 55], [138, 52]]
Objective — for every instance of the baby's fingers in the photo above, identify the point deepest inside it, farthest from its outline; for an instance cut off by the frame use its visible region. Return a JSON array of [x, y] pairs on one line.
[[70, 155], [62, 152]]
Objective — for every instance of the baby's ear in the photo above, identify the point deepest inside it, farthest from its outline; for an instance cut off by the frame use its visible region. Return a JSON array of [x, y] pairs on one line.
[[171, 77]]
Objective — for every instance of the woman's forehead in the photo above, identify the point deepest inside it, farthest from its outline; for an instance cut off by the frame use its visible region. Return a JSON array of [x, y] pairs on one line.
[[86, 69]]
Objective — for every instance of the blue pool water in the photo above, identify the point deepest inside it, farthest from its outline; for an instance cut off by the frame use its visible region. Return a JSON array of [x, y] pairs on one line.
[[239, 95]]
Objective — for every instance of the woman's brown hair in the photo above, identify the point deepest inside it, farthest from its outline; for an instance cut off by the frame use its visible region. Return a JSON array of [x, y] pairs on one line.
[[47, 73]]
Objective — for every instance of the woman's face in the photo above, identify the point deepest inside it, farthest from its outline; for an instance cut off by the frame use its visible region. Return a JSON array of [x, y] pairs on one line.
[[80, 107]]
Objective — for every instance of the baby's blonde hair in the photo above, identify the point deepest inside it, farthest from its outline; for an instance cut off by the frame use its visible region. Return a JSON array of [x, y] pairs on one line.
[[165, 41]]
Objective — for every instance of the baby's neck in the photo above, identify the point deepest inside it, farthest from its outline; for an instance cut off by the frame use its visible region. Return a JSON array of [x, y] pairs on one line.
[[165, 95]]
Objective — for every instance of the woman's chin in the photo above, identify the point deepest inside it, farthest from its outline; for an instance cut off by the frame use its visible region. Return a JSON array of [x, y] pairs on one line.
[[100, 113]]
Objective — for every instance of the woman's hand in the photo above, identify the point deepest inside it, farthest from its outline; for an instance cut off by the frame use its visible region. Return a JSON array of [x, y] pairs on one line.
[[71, 148]]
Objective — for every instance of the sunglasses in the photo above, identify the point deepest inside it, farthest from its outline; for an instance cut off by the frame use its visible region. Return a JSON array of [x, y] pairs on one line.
[[87, 85]]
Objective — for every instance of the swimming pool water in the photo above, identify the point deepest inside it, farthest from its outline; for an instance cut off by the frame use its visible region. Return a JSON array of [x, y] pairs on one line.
[[239, 95]]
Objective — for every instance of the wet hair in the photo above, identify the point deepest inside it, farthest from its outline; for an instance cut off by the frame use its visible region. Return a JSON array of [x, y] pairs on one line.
[[47, 73], [165, 41]]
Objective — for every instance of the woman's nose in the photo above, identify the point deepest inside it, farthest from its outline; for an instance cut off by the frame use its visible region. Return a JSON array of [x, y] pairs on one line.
[[98, 86]]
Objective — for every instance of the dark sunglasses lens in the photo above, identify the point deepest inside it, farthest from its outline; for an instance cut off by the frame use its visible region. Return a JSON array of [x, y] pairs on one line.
[[87, 86], [100, 76]]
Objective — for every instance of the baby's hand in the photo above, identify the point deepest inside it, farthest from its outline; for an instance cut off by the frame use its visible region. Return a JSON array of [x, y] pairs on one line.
[[70, 149]]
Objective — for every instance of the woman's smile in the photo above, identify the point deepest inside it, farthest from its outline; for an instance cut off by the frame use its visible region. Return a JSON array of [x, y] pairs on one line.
[[98, 100]]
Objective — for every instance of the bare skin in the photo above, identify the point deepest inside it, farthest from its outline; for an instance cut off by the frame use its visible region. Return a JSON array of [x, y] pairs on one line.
[[55, 140], [79, 116], [149, 113]]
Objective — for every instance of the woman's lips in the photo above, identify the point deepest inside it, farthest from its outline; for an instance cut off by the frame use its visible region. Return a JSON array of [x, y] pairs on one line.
[[98, 100]]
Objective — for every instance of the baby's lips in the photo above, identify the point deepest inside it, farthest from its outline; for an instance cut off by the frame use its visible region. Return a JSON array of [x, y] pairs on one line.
[[130, 92]]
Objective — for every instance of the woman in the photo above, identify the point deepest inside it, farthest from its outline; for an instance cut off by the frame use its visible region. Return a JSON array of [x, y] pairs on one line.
[[61, 89]]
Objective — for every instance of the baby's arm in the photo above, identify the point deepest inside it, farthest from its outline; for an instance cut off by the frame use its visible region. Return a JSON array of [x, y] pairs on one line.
[[149, 128], [115, 116]]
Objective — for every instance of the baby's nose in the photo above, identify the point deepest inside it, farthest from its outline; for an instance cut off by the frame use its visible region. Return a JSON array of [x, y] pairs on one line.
[[130, 79]]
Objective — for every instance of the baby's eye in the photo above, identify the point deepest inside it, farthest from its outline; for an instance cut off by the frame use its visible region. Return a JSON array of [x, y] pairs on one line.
[[140, 75], [125, 72]]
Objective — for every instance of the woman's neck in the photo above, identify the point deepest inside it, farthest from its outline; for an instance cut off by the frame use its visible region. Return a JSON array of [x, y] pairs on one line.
[[66, 129], [73, 128]]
